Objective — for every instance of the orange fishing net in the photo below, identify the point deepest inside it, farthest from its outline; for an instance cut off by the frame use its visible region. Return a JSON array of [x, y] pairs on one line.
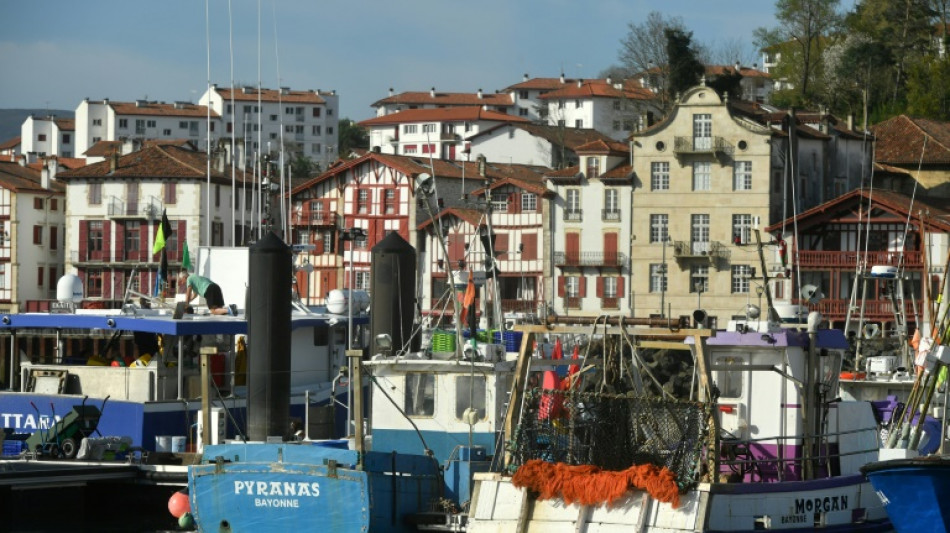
[[589, 485]]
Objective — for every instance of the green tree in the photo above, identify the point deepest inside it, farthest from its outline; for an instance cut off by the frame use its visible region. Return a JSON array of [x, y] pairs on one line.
[[352, 136], [685, 68], [804, 30], [928, 88]]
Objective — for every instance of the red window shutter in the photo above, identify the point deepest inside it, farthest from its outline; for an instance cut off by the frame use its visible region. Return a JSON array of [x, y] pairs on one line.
[[600, 286], [582, 287], [107, 283], [620, 286], [501, 243], [530, 242], [456, 247], [106, 238], [144, 249], [573, 241], [396, 209], [83, 239], [560, 286], [119, 243], [514, 203]]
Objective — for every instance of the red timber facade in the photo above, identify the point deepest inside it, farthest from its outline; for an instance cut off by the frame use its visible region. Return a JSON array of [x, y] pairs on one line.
[[864, 229]]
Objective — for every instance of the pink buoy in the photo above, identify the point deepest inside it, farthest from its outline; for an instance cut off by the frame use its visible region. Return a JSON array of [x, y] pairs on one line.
[[178, 504]]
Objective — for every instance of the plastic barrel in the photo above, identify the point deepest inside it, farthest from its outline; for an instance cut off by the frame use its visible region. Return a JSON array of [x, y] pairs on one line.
[[178, 444], [163, 443]]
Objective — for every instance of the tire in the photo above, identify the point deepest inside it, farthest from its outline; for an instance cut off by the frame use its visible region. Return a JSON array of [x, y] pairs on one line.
[[69, 448]]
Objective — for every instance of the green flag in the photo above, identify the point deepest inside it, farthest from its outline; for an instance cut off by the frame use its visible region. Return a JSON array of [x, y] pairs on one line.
[[186, 258], [164, 232]]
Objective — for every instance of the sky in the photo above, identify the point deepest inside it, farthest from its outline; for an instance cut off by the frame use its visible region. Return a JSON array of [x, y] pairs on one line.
[[54, 53]]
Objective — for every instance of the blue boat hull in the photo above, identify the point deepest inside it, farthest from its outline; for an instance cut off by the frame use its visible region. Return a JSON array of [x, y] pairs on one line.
[[915, 492], [286, 487]]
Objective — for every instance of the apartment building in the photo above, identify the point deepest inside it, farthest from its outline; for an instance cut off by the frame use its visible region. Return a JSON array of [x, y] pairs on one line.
[[48, 136], [32, 221], [306, 122], [532, 144], [432, 99], [107, 120], [614, 108]]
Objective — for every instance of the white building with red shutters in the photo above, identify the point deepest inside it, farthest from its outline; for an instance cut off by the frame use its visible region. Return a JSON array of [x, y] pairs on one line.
[[48, 135], [616, 108], [438, 133], [433, 99], [590, 229]]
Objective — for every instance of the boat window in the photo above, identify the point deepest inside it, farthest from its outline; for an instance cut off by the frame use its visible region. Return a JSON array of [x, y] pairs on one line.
[[729, 380], [420, 394], [465, 396]]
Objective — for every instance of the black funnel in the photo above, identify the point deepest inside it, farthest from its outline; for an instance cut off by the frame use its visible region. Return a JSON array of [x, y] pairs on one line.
[[269, 331], [392, 305]]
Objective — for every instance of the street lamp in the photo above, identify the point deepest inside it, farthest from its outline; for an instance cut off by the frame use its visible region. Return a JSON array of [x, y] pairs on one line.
[[351, 235]]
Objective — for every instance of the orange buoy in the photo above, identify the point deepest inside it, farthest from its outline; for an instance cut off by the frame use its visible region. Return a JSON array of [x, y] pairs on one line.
[[178, 504], [552, 404]]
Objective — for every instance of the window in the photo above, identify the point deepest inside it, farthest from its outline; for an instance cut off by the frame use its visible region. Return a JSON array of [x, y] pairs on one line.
[[410, 128], [41, 137], [362, 201], [95, 192], [247, 109], [702, 132], [316, 112], [409, 149], [217, 196], [660, 176], [616, 125], [522, 94], [561, 123], [140, 126], [579, 123], [657, 277], [699, 278], [522, 112], [53, 204], [67, 138], [743, 176], [560, 104], [40, 276], [53, 237], [170, 193], [228, 109], [94, 283], [611, 201], [610, 287], [217, 233], [659, 228], [329, 112], [616, 105], [96, 139], [389, 200], [123, 123], [428, 128], [95, 236], [274, 118], [317, 130], [288, 110], [150, 123], [470, 393], [420, 394], [729, 382], [167, 132], [701, 172], [572, 207], [741, 229], [316, 148], [740, 278], [299, 130], [361, 279], [133, 232], [467, 126], [572, 286], [38, 203], [529, 201], [699, 234], [97, 122], [499, 202], [328, 242], [37, 234], [511, 133], [593, 167]]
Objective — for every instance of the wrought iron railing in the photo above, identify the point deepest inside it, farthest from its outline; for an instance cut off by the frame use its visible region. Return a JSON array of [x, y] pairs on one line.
[[573, 215], [613, 259], [610, 215], [701, 145]]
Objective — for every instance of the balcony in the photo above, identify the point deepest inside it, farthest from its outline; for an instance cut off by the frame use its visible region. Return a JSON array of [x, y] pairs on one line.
[[573, 215], [848, 260], [610, 215], [134, 209], [711, 251], [299, 118], [519, 306], [610, 302], [314, 218], [592, 259], [701, 145], [874, 310], [572, 302], [449, 137]]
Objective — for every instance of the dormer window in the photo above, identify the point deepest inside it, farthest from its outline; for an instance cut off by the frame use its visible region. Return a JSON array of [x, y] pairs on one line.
[[593, 167]]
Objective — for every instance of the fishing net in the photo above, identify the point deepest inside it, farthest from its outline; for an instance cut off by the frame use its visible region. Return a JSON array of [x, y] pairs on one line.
[[611, 432]]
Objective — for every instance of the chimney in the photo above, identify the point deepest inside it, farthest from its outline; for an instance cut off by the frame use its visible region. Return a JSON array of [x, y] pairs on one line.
[[105, 101], [737, 66], [562, 77], [285, 90], [21, 160], [432, 92], [479, 94], [114, 161], [610, 81], [391, 91], [525, 77], [580, 83], [851, 121], [49, 171]]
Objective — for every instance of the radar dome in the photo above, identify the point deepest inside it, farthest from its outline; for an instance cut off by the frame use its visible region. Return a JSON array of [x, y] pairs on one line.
[[69, 288], [338, 300]]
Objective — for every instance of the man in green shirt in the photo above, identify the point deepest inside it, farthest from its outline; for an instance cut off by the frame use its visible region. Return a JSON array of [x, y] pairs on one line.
[[196, 285]]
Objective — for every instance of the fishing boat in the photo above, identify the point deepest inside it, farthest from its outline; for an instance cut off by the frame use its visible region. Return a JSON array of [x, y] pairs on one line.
[[155, 398], [916, 492]]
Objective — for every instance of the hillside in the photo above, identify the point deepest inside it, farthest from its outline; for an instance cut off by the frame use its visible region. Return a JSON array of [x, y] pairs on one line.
[[12, 119]]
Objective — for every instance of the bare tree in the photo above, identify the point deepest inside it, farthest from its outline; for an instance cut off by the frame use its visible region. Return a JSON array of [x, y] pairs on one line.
[[644, 48]]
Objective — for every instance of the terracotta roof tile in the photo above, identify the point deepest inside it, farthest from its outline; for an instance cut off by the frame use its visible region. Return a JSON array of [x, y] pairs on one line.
[[66, 124], [11, 143], [161, 109], [271, 95], [154, 161], [540, 84], [18, 178], [106, 148], [447, 114], [599, 89], [618, 173], [900, 141], [604, 147], [472, 216], [453, 99]]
